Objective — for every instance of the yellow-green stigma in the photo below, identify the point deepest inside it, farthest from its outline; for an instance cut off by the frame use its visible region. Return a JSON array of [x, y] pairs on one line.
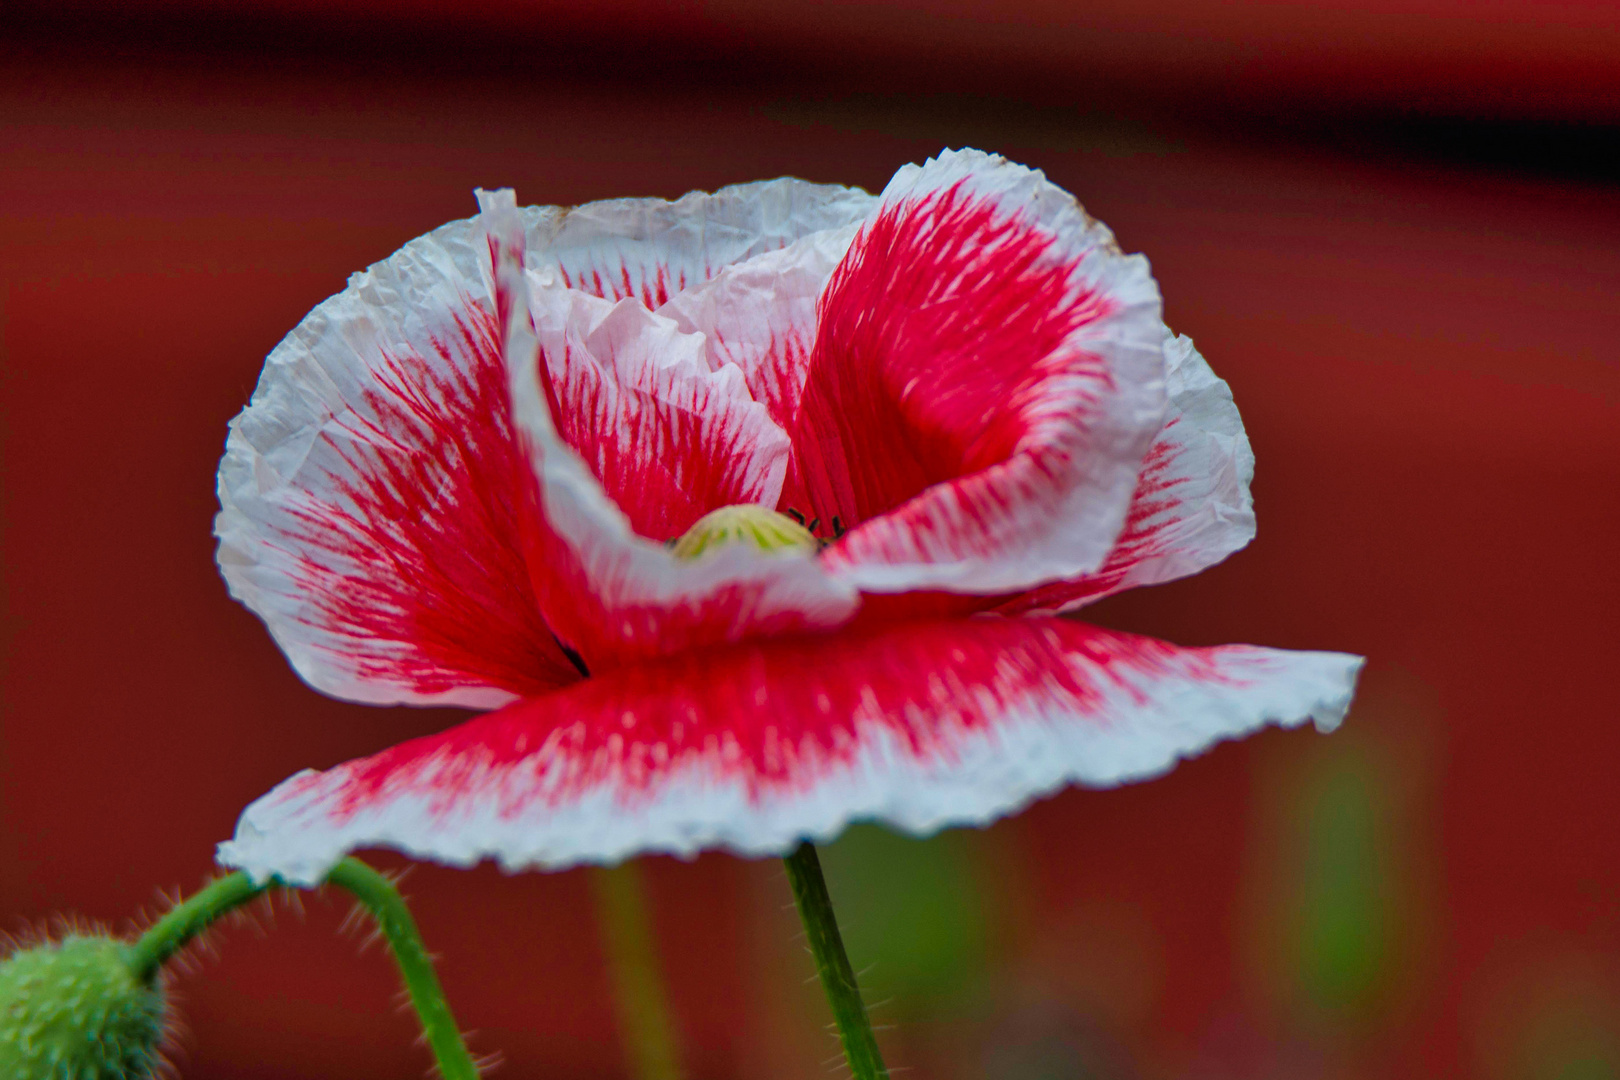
[[764, 529]]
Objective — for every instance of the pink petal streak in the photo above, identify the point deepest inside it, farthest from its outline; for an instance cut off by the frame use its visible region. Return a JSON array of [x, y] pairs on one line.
[[757, 746], [370, 494], [631, 437], [1192, 506], [986, 375]]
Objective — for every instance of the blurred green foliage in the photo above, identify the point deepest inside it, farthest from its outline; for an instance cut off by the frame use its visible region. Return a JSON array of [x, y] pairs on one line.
[[914, 915], [1346, 893]]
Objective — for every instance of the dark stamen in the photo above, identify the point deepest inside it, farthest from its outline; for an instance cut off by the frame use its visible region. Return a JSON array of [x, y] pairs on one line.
[[573, 657]]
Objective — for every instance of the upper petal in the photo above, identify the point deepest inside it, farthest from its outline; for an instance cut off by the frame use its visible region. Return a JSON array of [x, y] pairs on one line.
[[631, 437], [1192, 506], [986, 375], [632, 394], [651, 249], [370, 493], [759, 316], [759, 746]]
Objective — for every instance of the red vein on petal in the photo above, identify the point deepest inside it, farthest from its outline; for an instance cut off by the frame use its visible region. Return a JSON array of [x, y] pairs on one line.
[[774, 717], [939, 337], [1151, 515], [664, 447], [416, 549]]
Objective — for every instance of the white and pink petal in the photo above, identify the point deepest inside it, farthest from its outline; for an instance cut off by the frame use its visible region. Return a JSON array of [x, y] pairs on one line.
[[369, 493], [631, 437], [760, 316], [1192, 506], [633, 395], [755, 747], [650, 250], [986, 375]]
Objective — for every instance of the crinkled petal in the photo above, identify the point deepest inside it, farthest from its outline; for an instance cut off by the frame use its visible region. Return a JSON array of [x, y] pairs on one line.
[[631, 394], [759, 316], [631, 437], [651, 249], [1192, 506], [987, 373], [755, 747], [370, 493]]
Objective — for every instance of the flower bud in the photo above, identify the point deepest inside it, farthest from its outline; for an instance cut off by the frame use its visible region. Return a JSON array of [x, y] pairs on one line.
[[73, 1010], [745, 523]]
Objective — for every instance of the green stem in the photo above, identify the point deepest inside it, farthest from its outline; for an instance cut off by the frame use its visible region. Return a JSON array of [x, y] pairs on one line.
[[378, 896], [187, 919], [832, 964], [643, 1007]]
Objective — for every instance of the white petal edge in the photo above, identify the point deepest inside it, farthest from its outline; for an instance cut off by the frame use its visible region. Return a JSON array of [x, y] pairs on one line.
[[693, 237], [274, 453], [1215, 468], [1208, 475], [1029, 753]]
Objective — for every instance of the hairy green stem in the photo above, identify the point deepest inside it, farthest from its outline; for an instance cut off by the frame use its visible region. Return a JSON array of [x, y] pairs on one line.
[[187, 919], [832, 964], [638, 989], [377, 895]]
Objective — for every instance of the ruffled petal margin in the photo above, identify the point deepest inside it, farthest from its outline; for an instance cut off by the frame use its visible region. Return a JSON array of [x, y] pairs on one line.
[[1192, 506], [755, 747], [651, 249], [369, 493]]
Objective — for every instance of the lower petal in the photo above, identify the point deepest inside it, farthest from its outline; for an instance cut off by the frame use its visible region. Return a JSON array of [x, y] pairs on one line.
[[758, 746]]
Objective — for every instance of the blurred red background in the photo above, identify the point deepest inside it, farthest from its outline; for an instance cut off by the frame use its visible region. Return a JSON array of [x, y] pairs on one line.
[[1391, 227]]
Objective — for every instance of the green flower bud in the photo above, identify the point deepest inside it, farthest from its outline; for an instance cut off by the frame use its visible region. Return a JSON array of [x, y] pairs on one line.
[[74, 1010], [745, 523]]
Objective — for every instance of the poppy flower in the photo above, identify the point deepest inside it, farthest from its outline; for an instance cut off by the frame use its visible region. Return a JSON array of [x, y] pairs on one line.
[[744, 516]]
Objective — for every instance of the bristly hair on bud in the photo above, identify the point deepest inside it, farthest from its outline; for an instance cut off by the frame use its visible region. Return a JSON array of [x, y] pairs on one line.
[[72, 1008]]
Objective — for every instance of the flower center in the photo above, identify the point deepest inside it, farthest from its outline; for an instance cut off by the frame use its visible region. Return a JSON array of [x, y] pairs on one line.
[[745, 523]]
